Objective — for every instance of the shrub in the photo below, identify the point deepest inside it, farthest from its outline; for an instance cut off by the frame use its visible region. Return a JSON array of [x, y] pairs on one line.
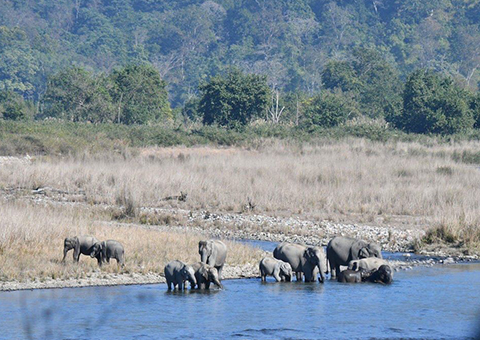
[[327, 110]]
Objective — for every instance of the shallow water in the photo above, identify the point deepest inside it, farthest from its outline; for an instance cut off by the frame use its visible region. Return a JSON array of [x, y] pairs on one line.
[[440, 302]]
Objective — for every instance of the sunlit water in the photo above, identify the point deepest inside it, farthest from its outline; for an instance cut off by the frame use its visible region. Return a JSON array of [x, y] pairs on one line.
[[440, 302]]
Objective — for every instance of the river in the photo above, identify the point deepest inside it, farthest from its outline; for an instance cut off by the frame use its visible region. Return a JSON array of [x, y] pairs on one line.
[[439, 302]]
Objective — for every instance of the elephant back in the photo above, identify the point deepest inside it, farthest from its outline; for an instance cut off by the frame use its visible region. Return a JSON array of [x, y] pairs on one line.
[[292, 254]]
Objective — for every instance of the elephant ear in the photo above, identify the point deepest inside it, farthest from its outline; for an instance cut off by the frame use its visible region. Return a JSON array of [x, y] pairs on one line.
[[359, 250]]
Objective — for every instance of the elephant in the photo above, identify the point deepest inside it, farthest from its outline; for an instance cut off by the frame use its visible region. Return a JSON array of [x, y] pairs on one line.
[[369, 264], [177, 273], [341, 250], [213, 253], [280, 270], [206, 274], [80, 245], [382, 275], [302, 259], [107, 250], [353, 276]]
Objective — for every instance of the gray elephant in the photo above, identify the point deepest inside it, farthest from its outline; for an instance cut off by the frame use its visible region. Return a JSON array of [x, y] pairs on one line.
[[213, 253], [341, 250], [280, 270], [353, 276], [205, 275], [177, 273], [80, 245], [383, 275], [302, 259], [369, 263], [107, 250]]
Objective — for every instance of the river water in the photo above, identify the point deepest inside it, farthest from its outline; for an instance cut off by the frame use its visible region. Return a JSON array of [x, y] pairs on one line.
[[439, 302]]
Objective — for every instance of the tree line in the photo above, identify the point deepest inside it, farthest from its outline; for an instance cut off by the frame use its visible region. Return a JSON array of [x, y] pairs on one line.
[[364, 87]]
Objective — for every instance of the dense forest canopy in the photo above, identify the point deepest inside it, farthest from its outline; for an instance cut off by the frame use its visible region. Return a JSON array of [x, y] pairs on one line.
[[187, 41]]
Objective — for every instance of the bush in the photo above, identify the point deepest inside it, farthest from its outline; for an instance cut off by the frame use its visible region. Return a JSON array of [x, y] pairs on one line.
[[327, 110]]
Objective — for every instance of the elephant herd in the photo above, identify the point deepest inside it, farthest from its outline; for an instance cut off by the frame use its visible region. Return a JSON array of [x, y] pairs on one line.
[[364, 261], [90, 246]]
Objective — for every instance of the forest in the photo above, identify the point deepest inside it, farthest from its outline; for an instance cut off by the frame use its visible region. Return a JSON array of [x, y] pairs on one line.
[[413, 64]]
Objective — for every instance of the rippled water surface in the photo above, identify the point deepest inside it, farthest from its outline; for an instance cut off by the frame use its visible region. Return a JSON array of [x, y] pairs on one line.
[[441, 302]]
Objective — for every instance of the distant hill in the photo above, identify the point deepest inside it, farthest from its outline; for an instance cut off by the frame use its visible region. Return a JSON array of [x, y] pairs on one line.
[[290, 41]]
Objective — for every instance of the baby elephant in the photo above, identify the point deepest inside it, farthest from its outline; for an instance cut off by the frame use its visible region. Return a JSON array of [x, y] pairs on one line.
[[206, 274], [383, 275], [353, 276], [369, 263], [177, 273], [80, 245], [280, 270], [106, 250]]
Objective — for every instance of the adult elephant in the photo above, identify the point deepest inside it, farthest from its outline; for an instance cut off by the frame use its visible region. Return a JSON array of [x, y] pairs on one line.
[[80, 245], [177, 273], [213, 253], [341, 250], [205, 275], [302, 259]]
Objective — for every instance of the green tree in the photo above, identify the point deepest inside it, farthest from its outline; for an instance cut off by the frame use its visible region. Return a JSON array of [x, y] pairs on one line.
[[341, 75], [77, 95], [18, 64], [140, 95], [327, 110], [434, 104], [234, 99]]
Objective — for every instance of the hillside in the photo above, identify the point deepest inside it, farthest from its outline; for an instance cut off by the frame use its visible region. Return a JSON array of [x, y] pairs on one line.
[[190, 40]]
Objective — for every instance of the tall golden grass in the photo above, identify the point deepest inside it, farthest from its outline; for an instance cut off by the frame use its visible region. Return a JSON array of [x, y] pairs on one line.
[[31, 243], [352, 180]]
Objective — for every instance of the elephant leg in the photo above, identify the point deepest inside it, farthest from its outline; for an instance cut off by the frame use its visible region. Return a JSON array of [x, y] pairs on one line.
[[276, 275], [333, 271], [180, 285], [220, 270], [76, 256], [299, 276], [169, 284]]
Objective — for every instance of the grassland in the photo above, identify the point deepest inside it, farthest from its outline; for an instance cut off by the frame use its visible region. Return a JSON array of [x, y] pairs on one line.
[[432, 186]]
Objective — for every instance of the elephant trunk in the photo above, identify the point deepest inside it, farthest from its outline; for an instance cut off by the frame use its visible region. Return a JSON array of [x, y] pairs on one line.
[[217, 283], [321, 271], [204, 257]]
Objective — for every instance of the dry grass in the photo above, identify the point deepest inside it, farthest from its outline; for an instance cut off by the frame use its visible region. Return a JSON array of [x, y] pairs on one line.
[[31, 244], [353, 180]]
